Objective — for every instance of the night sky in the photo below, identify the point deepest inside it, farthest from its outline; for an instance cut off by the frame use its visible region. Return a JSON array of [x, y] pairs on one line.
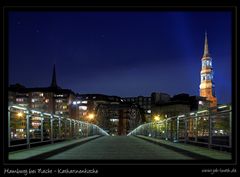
[[120, 53]]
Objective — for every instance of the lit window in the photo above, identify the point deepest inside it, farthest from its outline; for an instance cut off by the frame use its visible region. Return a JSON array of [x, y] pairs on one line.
[[47, 100], [83, 108], [59, 101], [19, 100], [113, 120], [41, 94], [64, 107], [33, 100], [84, 102]]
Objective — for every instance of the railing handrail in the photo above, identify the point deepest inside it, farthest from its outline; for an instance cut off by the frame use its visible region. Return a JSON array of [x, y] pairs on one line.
[[191, 126], [72, 128]]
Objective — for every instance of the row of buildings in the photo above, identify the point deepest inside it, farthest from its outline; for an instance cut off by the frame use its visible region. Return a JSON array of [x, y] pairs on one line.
[[116, 115]]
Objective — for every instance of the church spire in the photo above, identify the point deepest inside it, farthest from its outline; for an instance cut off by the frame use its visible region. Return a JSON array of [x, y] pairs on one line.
[[206, 51], [207, 87], [54, 80]]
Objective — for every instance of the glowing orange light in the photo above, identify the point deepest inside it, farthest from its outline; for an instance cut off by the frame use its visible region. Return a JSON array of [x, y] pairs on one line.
[[20, 114], [91, 116]]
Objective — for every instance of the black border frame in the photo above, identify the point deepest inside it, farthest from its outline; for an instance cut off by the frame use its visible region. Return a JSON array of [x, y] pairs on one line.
[[129, 7]]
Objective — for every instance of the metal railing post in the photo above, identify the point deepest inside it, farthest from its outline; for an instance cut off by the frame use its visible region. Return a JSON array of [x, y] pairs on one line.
[[74, 129], [41, 115], [177, 133], [59, 128], [87, 130], [65, 128], [230, 127], [81, 132], [196, 123], [9, 128], [27, 130], [209, 130], [51, 127], [166, 130], [70, 128], [185, 130]]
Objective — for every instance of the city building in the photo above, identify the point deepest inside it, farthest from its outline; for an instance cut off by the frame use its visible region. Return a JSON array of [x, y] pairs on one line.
[[158, 98], [144, 104], [52, 99], [177, 105], [112, 113], [207, 87]]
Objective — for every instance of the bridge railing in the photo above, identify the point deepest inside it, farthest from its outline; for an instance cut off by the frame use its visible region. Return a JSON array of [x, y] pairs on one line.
[[28, 127], [211, 128]]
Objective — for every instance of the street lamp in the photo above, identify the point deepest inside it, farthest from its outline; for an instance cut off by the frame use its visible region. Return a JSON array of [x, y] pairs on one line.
[[19, 114], [157, 118], [91, 116]]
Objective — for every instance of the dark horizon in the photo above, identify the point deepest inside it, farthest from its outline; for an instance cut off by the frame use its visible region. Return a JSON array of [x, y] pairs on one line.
[[120, 53]]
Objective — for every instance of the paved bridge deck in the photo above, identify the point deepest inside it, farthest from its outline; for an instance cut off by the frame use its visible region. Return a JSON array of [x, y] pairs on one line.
[[118, 148]]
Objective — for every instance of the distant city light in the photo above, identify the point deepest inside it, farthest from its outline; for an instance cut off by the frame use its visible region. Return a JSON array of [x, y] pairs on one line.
[[74, 103], [85, 102], [149, 111]]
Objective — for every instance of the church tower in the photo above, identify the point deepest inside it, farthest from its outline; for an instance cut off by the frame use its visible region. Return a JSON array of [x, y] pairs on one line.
[[54, 79], [207, 87]]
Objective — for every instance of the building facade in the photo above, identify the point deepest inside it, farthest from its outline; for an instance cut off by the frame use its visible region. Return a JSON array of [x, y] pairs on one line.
[[144, 104], [112, 113], [177, 105]]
